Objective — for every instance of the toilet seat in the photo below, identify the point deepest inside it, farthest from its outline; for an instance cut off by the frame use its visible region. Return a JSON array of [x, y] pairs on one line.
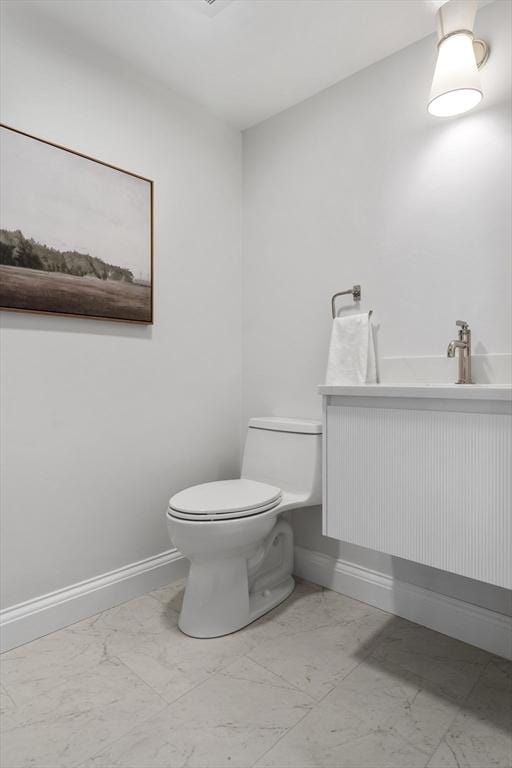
[[224, 500]]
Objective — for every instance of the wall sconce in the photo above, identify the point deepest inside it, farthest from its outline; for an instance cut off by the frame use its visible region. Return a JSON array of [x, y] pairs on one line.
[[456, 84]]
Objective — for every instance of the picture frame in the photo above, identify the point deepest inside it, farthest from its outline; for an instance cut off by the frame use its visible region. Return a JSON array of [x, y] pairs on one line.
[[76, 233]]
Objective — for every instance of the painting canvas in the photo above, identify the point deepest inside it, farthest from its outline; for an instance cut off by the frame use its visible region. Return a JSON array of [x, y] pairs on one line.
[[75, 233]]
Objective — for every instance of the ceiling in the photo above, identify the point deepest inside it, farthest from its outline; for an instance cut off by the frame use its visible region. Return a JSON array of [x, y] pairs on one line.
[[245, 59]]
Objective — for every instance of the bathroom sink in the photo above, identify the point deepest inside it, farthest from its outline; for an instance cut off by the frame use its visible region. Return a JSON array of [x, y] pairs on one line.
[[445, 391]]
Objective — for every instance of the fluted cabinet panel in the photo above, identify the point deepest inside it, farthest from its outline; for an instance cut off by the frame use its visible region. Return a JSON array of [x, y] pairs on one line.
[[429, 486]]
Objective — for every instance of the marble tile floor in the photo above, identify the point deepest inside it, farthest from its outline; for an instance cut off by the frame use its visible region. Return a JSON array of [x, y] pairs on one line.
[[322, 681]]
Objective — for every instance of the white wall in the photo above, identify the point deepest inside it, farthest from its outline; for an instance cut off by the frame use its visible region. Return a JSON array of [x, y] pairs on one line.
[[102, 422], [360, 185]]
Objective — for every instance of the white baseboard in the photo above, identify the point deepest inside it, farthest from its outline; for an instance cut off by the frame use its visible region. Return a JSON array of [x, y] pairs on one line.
[[37, 617], [475, 625]]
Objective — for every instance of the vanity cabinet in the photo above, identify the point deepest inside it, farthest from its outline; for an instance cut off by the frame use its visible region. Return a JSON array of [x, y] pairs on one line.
[[422, 473]]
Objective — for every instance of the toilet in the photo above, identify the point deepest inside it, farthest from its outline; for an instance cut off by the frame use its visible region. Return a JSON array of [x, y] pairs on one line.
[[239, 545]]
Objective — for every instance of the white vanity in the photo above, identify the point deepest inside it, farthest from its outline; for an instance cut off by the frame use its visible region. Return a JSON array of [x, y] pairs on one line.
[[422, 473]]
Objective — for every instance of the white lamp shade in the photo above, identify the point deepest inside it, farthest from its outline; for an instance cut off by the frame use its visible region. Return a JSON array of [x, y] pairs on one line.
[[456, 84]]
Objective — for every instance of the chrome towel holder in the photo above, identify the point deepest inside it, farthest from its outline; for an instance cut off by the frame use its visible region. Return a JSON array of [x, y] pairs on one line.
[[356, 295]]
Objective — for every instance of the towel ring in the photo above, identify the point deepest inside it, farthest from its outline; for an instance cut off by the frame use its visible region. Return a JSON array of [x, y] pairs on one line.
[[356, 295]]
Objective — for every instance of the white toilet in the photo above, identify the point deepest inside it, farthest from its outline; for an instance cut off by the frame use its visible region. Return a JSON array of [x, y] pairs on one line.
[[240, 548]]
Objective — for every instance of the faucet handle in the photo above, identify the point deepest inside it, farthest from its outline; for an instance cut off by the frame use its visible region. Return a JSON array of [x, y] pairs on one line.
[[462, 324]]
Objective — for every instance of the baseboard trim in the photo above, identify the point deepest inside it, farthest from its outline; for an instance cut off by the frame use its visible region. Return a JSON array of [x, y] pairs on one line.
[[37, 617], [470, 623], [475, 625]]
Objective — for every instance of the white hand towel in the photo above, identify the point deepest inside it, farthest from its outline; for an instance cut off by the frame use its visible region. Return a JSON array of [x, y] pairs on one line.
[[351, 352]]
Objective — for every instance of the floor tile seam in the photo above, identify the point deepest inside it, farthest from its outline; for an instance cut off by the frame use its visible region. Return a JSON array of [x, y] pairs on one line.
[[364, 660], [422, 682], [372, 610], [458, 710], [437, 657], [71, 628], [429, 759], [164, 703], [10, 696], [280, 677], [419, 654], [289, 685], [85, 670], [209, 676], [87, 620], [161, 604], [296, 632], [427, 753], [379, 730], [110, 744], [263, 683], [3, 687], [475, 684], [340, 680], [141, 679], [92, 620], [288, 730], [168, 706], [449, 747], [47, 690]]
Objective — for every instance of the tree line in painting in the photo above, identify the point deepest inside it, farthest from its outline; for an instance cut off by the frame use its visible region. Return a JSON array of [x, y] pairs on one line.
[[19, 251]]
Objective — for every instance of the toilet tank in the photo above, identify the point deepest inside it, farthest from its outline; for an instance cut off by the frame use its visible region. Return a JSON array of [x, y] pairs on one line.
[[287, 453]]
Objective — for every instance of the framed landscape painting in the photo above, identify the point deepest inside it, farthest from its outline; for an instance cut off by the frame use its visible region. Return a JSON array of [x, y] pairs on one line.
[[75, 233]]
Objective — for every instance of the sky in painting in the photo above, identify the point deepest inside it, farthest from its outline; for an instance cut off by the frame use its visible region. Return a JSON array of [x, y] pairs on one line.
[[73, 204]]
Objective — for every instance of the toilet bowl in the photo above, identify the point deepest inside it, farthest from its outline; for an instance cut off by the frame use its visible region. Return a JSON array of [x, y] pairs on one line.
[[239, 546]]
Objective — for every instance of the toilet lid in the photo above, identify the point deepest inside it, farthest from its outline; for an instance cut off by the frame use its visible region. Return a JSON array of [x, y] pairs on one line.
[[224, 499]]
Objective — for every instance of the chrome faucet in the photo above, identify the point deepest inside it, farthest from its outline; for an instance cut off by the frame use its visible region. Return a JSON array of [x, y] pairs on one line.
[[463, 344]]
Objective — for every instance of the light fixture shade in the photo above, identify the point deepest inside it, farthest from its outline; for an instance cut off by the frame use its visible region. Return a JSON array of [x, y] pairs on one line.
[[456, 85]]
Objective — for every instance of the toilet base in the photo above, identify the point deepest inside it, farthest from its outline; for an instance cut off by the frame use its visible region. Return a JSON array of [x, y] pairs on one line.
[[225, 591], [262, 603], [259, 604]]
